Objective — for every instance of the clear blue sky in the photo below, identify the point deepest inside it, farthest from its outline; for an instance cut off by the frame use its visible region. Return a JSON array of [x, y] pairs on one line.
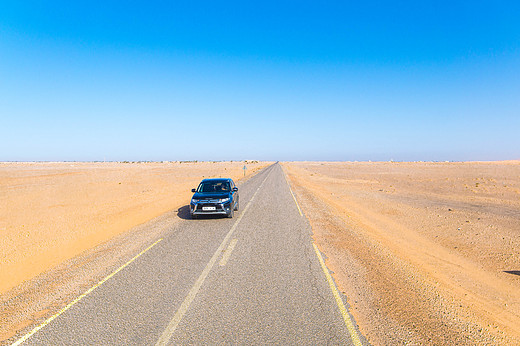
[[416, 80]]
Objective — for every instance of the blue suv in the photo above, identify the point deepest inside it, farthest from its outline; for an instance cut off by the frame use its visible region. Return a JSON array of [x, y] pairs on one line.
[[214, 197]]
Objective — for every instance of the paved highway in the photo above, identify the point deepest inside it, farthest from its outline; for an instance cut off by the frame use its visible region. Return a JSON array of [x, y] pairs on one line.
[[253, 279]]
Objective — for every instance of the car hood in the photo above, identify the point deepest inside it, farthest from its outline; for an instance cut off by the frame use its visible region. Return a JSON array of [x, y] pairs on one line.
[[199, 195]]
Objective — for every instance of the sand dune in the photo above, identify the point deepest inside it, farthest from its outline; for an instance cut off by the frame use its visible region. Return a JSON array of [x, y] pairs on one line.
[[50, 212], [426, 252]]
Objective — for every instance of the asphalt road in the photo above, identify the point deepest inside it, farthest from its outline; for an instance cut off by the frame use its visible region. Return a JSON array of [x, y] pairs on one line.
[[253, 279]]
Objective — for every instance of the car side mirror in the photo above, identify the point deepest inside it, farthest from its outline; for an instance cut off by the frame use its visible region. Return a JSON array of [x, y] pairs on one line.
[[235, 189], [193, 190]]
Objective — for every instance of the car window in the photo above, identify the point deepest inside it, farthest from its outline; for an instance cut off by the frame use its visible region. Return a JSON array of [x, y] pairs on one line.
[[219, 186]]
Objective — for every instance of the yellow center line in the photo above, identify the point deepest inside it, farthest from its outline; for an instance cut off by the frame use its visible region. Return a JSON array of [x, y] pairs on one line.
[[177, 318], [227, 253], [50, 319], [346, 317]]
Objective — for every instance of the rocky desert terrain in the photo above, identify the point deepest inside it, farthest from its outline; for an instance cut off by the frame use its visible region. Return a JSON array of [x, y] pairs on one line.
[[427, 253]]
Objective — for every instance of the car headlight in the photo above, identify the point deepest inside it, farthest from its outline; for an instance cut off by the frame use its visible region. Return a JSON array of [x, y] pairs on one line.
[[224, 200], [194, 200]]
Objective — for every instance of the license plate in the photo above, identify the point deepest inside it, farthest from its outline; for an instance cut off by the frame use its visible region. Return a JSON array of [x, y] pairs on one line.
[[209, 208]]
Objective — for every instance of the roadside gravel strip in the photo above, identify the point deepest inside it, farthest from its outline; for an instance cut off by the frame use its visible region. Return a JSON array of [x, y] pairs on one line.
[[269, 286]]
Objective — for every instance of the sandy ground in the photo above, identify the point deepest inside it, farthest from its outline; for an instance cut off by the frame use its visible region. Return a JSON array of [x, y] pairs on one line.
[[427, 253], [51, 212]]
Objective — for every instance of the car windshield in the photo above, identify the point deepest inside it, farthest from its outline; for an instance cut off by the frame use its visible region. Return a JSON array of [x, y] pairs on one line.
[[214, 186]]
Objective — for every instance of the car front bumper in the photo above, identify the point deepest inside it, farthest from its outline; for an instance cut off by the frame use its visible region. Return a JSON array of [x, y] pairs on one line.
[[219, 208]]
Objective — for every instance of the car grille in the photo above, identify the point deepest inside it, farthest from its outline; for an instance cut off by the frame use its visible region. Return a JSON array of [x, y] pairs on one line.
[[218, 207]]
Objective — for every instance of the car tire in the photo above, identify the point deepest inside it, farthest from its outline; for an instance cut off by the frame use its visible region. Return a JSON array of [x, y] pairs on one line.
[[237, 205], [231, 213]]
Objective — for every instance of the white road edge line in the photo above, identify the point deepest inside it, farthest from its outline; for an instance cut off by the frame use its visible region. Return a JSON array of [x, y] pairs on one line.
[[174, 323], [227, 253], [50, 319], [295, 201]]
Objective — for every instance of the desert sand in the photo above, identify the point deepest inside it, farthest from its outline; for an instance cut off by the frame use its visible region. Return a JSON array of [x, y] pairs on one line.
[[51, 212], [427, 253]]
